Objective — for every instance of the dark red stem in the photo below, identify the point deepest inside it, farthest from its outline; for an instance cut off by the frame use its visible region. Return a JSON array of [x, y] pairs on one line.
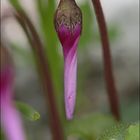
[[110, 82], [37, 47]]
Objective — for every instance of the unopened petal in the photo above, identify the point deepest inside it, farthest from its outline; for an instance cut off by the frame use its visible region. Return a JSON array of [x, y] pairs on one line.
[[70, 75], [10, 119], [70, 80]]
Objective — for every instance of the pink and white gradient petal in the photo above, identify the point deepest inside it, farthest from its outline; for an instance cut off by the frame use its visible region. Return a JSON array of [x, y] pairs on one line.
[[69, 40]]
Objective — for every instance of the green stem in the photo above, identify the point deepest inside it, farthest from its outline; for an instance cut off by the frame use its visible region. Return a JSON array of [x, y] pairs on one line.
[[110, 82]]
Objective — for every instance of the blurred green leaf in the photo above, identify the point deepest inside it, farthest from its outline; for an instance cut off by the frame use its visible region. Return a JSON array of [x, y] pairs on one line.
[[114, 32], [46, 10], [114, 133], [132, 133], [46, 16], [90, 126], [27, 111], [15, 4], [22, 52], [88, 25], [121, 132]]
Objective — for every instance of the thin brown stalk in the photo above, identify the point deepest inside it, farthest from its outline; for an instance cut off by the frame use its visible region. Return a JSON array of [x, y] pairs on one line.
[[43, 67], [110, 82]]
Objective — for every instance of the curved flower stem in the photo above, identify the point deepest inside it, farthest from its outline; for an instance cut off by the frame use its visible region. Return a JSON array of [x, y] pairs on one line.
[[43, 67], [110, 82]]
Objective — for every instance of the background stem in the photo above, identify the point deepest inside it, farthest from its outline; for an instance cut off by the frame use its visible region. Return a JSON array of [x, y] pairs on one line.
[[43, 67], [110, 82]]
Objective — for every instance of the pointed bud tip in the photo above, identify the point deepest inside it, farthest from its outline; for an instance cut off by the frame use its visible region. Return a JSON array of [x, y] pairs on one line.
[[70, 104], [69, 118], [69, 115]]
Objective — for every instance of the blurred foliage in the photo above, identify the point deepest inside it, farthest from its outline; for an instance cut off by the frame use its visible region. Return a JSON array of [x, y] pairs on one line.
[[121, 132], [15, 3], [133, 132], [90, 126], [22, 53], [87, 29], [27, 111], [101, 127], [130, 111], [116, 132]]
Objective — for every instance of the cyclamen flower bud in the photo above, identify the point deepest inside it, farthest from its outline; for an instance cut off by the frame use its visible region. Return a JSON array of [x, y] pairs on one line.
[[10, 119], [68, 25]]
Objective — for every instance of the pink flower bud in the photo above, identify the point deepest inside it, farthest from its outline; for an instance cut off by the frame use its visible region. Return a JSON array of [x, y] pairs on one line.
[[68, 24]]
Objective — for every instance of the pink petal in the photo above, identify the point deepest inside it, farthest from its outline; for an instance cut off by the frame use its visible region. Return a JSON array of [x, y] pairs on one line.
[[69, 40], [70, 78], [10, 120]]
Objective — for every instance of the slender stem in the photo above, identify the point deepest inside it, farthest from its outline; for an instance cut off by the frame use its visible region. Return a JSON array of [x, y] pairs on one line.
[[110, 82], [37, 47]]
